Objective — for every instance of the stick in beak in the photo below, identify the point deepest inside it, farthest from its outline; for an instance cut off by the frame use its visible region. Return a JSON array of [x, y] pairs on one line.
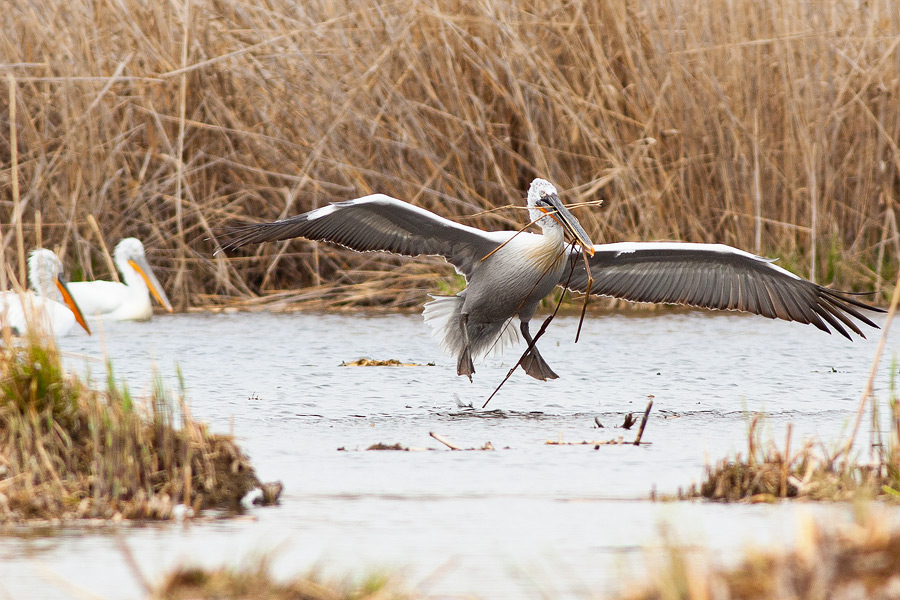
[[143, 268], [570, 223], [70, 302]]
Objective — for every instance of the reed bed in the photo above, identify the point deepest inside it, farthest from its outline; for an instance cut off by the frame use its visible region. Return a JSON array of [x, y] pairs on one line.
[[769, 125], [71, 452], [768, 472]]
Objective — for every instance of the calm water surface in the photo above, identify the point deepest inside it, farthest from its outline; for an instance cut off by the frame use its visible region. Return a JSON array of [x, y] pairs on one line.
[[525, 520]]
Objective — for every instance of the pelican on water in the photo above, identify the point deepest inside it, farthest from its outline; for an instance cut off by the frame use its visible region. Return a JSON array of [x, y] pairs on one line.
[[49, 304], [508, 273], [123, 301]]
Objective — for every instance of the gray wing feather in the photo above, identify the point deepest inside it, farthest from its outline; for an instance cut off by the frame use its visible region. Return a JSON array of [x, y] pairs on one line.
[[379, 223], [717, 277]]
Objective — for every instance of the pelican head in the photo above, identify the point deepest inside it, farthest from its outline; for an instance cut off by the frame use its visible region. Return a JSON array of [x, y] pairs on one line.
[[543, 201], [47, 280], [130, 258]]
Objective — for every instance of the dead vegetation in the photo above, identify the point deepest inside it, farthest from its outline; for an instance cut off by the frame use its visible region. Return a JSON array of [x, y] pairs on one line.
[[765, 125], [857, 561], [768, 473], [68, 451], [256, 583], [861, 560], [372, 362]]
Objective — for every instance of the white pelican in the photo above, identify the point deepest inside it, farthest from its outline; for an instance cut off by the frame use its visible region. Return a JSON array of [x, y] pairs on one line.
[[49, 304], [123, 301], [509, 274]]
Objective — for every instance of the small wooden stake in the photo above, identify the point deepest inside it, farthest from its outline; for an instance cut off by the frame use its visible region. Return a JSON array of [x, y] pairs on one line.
[[637, 440]]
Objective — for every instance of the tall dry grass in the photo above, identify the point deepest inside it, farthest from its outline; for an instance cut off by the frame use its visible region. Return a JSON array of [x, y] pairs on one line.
[[771, 125]]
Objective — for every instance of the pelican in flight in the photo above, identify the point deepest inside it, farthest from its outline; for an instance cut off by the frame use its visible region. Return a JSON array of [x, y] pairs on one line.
[[49, 305], [508, 273], [123, 301]]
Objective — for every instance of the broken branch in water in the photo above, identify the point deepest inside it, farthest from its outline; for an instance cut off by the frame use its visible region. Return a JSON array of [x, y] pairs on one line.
[[637, 440], [444, 440]]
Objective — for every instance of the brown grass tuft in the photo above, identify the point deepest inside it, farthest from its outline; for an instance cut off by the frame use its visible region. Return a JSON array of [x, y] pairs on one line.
[[256, 582], [771, 126], [768, 473], [68, 451], [856, 561]]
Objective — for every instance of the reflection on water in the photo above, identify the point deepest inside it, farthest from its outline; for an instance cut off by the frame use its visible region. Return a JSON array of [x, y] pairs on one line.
[[560, 514]]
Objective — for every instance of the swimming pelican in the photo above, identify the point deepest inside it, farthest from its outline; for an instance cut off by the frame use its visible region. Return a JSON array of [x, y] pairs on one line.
[[48, 284], [123, 301], [509, 274]]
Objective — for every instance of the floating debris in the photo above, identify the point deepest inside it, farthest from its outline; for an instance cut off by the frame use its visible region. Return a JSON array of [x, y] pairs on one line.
[[371, 362], [437, 436], [619, 441], [629, 421], [380, 446], [452, 446]]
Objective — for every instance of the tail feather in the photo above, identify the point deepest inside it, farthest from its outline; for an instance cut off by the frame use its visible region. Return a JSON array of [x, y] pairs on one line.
[[443, 315]]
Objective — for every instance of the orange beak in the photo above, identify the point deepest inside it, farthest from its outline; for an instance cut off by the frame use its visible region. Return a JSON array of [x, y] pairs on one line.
[[152, 283], [70, 302]]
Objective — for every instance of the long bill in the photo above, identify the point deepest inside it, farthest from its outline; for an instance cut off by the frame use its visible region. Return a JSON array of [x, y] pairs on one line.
[[70, 302], [570, 224], [143, 268]]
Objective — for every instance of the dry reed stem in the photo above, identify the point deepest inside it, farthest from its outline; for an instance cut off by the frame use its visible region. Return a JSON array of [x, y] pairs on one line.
[[870, 381], [764, 125]]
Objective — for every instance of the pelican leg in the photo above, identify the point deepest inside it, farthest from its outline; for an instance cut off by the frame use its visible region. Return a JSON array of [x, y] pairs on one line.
[[464, 365], [533, 363]]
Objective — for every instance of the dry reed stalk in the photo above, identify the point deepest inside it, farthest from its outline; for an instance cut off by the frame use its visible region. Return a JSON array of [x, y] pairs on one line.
[[868, 388], [727, 121], [114, 273], [14, 177]]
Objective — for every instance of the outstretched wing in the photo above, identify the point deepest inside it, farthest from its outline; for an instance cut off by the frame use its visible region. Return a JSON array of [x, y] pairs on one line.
[[713, 276], [379, 222]]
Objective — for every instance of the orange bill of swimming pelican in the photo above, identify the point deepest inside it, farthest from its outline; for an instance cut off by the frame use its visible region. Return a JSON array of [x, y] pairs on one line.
[[123, 301], [49, 304]]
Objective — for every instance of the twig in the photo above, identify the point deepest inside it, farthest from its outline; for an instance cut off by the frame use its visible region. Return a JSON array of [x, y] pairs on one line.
[[637, 440], [489, 254], [444, 440], [587, 290]]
